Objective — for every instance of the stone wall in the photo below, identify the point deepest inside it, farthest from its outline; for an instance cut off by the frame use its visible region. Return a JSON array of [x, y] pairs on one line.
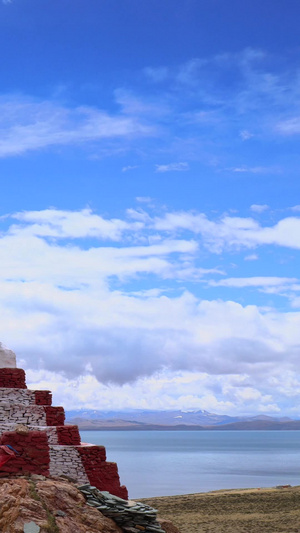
[[50, 431], [55, 416], [20, 396], [34, 453], [43, 397], [23, 414], [25, 396], [68, 435], [102, 474], [56, 434], [12, 378], [82, 463], [37, 415], [65, 460], [50, 445]]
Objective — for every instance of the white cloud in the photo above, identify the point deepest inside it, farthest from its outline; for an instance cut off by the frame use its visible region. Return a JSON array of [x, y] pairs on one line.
[[254, 170], [172, 167], [139, 214], [175, 390], [71, 224], [249, 393], [295, 302], [257, 88], [129, 167], [136, 106], [251, 257], [156, 75], [256, 281], [26, 125], [233, 232], [190, 97], [67, 310], [144, 199], [246, 135], [259, 208], [290, 126], [188, 72]]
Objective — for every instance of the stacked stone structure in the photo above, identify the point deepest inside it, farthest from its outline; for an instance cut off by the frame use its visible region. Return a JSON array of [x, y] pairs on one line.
[[46, 445]]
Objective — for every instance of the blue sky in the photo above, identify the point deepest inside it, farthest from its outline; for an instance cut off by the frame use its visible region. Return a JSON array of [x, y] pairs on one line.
[[150, 206]]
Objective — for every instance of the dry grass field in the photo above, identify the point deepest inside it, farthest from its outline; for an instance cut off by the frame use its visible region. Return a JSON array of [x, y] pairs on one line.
[[233, 511]]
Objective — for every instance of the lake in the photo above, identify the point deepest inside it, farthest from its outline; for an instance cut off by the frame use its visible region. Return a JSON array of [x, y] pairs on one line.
[[164, 463]]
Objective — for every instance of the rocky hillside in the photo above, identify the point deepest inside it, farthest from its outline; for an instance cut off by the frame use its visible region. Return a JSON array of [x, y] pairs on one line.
[[54, 506], [39, 505]]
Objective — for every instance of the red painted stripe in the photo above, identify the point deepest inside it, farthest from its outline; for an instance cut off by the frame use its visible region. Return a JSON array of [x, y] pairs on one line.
[[12, 378]]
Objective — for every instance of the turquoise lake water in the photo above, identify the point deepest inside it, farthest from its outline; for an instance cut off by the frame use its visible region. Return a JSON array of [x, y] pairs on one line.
[[164, 463]]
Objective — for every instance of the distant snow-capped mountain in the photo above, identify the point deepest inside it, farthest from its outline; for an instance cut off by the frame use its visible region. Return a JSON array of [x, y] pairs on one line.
[[164, 418]]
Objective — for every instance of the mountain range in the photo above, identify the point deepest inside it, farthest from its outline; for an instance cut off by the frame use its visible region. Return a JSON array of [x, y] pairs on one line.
[[191, 419]]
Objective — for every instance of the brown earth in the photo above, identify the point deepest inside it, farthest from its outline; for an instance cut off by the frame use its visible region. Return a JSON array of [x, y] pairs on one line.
[[234, 511]]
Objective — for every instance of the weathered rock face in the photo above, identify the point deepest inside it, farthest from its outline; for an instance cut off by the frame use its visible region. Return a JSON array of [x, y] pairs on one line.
[[53, 505], [7, 357]]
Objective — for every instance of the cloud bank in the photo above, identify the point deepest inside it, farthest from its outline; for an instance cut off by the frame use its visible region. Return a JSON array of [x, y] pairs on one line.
[[72, 306]]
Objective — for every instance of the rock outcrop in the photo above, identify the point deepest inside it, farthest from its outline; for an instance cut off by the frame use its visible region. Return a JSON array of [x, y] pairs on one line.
[[131, 516], [168, 526], [53, 506]]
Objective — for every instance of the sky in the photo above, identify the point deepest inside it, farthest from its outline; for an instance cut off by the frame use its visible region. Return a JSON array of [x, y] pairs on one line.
[[150, 202]]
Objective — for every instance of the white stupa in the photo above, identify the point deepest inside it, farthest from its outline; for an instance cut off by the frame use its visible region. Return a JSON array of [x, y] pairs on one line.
[[7, 357]]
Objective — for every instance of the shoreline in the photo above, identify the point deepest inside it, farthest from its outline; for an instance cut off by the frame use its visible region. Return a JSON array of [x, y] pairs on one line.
[[251, 510], [157, 427]]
